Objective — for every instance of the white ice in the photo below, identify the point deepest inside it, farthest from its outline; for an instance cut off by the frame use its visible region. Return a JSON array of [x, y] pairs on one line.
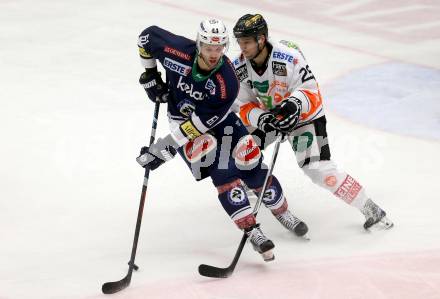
[[73, 117]]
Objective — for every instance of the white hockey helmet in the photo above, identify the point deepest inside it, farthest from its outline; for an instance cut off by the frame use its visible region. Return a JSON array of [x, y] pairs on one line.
[[212, 31]]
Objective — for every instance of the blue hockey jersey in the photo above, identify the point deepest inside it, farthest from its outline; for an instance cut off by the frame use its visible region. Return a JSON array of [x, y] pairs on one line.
[[197, 102]]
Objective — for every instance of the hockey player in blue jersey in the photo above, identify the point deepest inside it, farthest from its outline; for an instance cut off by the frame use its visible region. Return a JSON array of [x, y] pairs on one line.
[[200, 89]]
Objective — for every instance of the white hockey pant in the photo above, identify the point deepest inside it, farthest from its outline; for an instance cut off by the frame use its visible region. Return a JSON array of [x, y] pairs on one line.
[[342, 185]]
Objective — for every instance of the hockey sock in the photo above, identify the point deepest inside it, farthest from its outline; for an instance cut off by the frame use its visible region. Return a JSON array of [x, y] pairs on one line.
[[235, 202], [273, 198]]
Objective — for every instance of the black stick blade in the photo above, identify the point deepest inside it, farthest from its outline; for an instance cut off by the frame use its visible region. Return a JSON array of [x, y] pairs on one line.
[[215, 272], [116, 286]]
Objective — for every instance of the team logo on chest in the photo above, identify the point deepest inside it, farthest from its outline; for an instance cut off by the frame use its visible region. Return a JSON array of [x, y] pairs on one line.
[[262, 87], [186, 107], [189, 90], [210, 85]]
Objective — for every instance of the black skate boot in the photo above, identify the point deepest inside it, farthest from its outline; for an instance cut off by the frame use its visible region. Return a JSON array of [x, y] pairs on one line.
[[375, 216], [260, 242], [292, 223]]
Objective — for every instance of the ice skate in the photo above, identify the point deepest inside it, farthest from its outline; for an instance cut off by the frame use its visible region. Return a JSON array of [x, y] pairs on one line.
[[260, 242], [375, 217], [293, 224]]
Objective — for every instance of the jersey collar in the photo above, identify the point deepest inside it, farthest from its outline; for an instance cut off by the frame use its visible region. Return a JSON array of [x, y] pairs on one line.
[[197, 76], [261, 69]]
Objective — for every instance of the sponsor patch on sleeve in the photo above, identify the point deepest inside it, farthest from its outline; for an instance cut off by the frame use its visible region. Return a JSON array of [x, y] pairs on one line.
[[177, 53], [144, 53], [189, 130]]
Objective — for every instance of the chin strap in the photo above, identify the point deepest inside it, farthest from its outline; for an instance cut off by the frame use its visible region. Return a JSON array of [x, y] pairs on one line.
[[203, 59], [259, 50]]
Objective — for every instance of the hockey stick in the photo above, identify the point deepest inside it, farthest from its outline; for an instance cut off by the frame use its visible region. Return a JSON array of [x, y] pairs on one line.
[[116, 286], [216, 272]]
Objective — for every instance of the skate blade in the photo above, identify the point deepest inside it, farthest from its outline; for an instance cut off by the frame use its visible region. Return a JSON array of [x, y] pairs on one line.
[[268, 256], [383, 224], [305, 237]]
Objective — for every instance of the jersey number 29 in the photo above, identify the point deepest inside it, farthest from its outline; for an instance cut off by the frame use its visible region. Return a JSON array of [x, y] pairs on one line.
[[306, 74]]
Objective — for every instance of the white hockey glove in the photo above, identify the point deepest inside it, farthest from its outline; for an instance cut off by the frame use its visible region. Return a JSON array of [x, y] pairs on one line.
[[158, 153]]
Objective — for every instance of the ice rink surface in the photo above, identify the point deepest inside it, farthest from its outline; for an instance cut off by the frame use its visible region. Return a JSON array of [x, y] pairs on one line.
[[73, 117]]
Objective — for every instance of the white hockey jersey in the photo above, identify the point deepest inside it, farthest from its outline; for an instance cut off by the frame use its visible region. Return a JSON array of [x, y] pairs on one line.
[[287, 74]]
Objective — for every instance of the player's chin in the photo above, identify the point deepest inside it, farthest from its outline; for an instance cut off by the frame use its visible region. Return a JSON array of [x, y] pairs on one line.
[[213, 63]]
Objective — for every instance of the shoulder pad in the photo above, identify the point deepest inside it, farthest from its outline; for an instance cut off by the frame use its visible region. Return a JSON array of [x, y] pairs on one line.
[[282, 53], [289, 44]]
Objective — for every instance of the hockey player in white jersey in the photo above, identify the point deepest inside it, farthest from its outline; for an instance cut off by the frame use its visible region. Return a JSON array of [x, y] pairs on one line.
[[279, 94]]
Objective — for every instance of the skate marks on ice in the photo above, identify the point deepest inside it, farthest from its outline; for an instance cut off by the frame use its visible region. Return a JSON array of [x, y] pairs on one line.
[[395, 103], [400, 21], [391, 275]]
